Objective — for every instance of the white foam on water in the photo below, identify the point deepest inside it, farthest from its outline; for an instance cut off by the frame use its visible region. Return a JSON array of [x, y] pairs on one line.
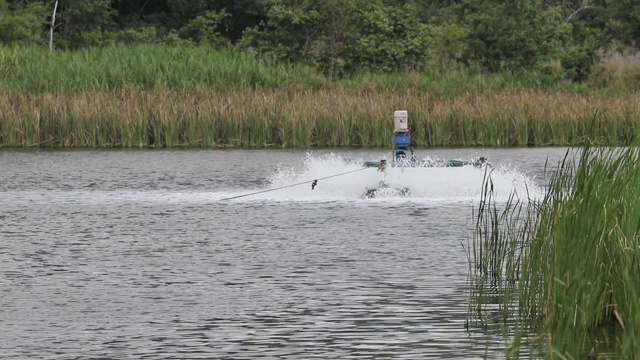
[[343, 179], [339, 179]]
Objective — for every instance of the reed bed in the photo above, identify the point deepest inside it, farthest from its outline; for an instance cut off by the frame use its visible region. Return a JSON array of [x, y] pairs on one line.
[[147, 95], [202, 117], [565, 268], [34, 70]]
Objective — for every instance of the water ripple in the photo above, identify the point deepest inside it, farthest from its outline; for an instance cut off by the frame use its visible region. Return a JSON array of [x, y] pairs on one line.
[[131, 255]]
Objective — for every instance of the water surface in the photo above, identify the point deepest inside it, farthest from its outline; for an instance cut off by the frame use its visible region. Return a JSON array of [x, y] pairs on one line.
[[136, 254]]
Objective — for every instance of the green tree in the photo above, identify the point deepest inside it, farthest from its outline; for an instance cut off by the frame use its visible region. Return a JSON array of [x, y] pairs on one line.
[[203, 29], [512, 34], [342, 36], [391, 38], [84, 22], [620, 19], [243, 14], [22, 23], [289, 30], [134, 14], [449, 35], [582, 17], [332, 50]]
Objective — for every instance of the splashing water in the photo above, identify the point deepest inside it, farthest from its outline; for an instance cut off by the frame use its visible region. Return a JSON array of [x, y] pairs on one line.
[[433, 184]]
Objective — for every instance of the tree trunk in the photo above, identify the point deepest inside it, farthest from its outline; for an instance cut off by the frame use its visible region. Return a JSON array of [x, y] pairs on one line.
[[53, 25]]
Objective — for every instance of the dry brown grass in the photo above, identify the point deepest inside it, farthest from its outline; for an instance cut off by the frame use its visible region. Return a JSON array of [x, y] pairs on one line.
[[619, 71], [304, 117]]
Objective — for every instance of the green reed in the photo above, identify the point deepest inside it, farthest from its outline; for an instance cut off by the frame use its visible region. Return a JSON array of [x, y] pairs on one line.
[[35, 70], [565, 267]]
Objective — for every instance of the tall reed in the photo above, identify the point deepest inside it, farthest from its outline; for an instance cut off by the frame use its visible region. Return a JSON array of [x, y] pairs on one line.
[[200, 116], [35, 70], [147, 95], [572, 259]]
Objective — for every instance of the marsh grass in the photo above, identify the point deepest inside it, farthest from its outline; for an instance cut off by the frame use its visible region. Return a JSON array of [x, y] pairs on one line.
[[202, 117], [33, 70], [146, 95], [568, 263]]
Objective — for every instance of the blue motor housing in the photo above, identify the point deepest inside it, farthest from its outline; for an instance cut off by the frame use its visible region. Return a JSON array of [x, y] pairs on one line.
[[402, 141]]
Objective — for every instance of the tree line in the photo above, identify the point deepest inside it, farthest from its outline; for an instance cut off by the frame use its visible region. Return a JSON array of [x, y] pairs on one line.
[[342, 37]]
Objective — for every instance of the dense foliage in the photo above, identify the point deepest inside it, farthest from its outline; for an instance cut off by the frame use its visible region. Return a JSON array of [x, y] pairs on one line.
[[342, 37]]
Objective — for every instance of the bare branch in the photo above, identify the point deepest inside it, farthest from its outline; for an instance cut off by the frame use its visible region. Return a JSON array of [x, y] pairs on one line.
[[53, 26], [585, 5], [577, 11]]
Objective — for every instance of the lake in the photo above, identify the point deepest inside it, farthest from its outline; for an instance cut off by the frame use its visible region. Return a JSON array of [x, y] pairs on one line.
[[141, 253]]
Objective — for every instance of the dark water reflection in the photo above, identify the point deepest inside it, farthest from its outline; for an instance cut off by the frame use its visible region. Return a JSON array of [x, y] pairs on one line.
[[131, 254]]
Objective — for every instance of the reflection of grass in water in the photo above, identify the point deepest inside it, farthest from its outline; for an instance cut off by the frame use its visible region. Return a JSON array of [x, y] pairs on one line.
[[566, 267]]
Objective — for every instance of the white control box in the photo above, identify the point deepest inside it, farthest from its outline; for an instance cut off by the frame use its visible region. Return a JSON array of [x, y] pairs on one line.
[[400, 121]]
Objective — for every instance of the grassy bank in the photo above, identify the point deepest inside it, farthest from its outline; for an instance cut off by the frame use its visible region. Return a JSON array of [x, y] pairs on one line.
[[566, 267], [34, 70], [139, 96]]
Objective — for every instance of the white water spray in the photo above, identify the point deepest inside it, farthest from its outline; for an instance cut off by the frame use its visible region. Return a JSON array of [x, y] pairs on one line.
[[430, 184]]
